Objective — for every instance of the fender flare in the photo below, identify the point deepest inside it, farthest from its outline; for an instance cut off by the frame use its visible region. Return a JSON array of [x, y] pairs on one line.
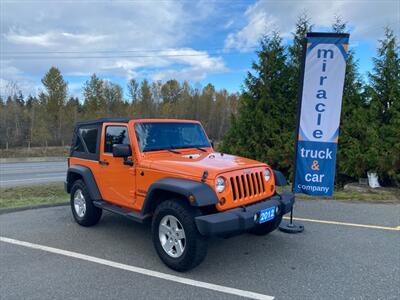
[[87, 177], [280, 179], [203, 194]]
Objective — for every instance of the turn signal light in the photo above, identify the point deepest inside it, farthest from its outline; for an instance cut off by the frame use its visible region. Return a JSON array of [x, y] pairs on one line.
[[191, 198]]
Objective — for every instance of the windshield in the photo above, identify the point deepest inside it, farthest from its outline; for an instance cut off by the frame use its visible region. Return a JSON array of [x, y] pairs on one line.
[[165, 136]]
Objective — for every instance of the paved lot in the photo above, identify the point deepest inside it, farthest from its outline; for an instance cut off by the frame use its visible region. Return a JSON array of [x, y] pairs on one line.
[[28, 173], [327, 261]]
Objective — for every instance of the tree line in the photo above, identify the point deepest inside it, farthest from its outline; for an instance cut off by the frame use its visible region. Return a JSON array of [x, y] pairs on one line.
[[259, 122], [49, 118]]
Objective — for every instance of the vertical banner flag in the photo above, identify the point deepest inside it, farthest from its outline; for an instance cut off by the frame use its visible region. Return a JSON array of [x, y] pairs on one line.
[[319, 112]]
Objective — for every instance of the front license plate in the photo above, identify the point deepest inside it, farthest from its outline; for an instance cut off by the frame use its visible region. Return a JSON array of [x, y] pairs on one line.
[[267, 214]]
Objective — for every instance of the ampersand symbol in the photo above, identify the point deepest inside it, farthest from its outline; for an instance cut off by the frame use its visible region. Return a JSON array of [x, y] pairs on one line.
[[315, 165]]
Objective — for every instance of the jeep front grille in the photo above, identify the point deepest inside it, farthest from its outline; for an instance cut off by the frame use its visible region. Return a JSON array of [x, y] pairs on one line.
[[247, 185]]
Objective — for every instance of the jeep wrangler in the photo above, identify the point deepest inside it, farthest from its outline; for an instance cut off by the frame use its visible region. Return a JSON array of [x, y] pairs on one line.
[[167, 173]]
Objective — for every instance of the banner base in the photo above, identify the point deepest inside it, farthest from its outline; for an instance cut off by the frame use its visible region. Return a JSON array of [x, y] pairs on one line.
[[290, 227]]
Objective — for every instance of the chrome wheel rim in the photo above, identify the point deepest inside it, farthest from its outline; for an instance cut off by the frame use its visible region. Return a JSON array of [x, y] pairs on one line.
[[79, 203], [172, 236]]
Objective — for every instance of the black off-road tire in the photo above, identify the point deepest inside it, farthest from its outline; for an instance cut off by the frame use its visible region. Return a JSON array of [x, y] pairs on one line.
[[195, 245], [92, 213], [267, 227]]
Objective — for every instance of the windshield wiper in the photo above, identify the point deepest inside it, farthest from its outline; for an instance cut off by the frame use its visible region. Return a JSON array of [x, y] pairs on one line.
[[159, 149], [201, 149], [173, 151]]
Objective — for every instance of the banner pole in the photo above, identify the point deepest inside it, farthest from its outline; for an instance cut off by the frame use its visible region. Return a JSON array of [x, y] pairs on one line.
[[285, 226]]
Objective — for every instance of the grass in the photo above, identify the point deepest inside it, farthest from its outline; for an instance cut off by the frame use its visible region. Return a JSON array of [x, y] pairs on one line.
[[32, 195], [34, 152], [383, 195]]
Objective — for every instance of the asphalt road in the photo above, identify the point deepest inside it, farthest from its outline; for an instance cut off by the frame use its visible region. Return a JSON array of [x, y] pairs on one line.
[[29, 173], [326, 261]]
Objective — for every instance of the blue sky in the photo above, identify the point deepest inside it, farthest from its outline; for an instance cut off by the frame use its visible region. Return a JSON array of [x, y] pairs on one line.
[[200, 41]]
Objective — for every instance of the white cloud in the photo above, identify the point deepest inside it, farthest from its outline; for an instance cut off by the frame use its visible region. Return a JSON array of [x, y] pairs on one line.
[[95, 34], [259, 22], [199, 62], [366, 19], [20, 39], [51, 39]]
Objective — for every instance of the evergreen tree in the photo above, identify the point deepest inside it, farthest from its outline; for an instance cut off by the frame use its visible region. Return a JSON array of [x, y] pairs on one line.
[[54, 97], [261, 130], [133, 90], [95, 102], [384, 95], [171, 91], [146, 104], [355, 150], [115, 105]]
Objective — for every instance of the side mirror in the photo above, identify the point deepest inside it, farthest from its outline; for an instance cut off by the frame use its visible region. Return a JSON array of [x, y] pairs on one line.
[[123, 150]]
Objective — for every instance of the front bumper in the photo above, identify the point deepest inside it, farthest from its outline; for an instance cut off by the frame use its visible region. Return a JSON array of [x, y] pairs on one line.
[[240, 219]]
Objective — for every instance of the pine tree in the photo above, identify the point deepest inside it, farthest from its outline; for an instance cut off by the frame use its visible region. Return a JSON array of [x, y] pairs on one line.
[[261, 129], [55, 96], [384, 93], [133, 90], [115, 105], [354, 150], [146, 104], [95, 105]]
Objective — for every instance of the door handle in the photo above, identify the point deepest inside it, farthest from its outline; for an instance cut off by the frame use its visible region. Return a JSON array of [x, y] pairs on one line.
[[103, 163]]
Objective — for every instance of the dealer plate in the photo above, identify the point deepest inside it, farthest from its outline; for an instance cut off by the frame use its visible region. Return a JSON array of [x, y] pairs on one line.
[[266, 215]]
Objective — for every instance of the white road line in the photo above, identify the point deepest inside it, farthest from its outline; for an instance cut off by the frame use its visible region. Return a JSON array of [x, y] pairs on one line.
[[30, 179], [397, 228], [165, 276]]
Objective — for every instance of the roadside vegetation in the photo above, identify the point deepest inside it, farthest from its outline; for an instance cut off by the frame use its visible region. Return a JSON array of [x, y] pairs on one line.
[[390, 195], [32, 195], [34, 152]]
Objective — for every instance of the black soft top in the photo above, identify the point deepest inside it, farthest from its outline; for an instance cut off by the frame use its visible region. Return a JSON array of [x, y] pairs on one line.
[[104, 120]]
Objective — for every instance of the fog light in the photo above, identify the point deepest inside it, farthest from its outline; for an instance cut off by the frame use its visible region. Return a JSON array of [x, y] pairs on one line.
[[277, 210], [191, 199], [222, 201]]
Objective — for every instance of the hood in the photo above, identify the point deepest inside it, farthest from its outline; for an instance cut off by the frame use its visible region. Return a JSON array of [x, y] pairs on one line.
[[194, 164]]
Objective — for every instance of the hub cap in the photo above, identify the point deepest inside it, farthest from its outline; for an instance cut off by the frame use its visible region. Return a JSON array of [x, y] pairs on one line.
[[79, 203], [172, 236]]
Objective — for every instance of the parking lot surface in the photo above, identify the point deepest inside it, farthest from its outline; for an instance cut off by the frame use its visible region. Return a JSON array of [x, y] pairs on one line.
[[326, 261]]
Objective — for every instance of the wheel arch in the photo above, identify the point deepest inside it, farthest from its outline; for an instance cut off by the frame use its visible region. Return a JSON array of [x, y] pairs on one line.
[[197, 194], [77, 172]]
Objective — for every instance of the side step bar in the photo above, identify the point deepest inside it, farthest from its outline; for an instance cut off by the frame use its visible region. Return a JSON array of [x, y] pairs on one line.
[[121, 211]]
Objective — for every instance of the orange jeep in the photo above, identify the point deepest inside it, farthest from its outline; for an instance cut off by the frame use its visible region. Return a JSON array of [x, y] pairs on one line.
[[166, 172]]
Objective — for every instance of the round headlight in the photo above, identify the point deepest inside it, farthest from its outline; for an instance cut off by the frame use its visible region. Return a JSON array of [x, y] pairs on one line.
[[220, 184], [267, 175]]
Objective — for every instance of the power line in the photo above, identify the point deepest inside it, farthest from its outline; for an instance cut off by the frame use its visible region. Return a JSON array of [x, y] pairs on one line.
[[123, 51], [116, 56]]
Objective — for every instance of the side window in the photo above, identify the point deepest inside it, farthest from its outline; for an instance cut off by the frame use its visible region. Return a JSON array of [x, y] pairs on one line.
[[89, 136], [78, 145], [115, 135]]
